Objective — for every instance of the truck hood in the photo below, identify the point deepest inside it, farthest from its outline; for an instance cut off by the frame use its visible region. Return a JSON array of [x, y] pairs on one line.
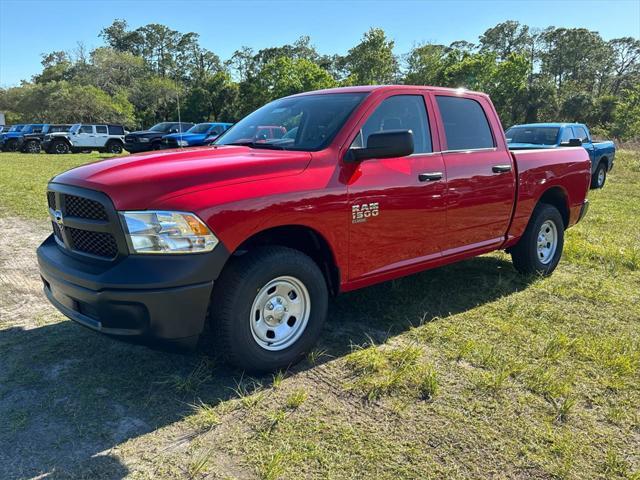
[[527, 146], [189, 137], [139, 182]]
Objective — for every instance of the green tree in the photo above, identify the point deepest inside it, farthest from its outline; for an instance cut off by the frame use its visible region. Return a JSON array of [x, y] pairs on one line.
[[372, 61]]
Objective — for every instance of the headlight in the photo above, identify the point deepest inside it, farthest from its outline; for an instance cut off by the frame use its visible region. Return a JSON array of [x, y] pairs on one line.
[[183, 143], [143, 139], [152, 231]]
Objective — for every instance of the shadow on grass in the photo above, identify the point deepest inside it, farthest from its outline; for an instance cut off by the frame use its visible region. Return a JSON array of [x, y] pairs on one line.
[[69, 396]]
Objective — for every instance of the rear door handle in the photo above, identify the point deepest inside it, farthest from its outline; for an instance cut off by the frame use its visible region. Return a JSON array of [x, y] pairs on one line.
[[501, 168], [430, 176]]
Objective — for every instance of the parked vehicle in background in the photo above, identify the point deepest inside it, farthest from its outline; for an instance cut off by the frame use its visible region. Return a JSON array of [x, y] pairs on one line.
[[12, 140], [145, 140], [86, 137], [198, 135], [4, 128], [553, 135], [32, 142], [379, 182]]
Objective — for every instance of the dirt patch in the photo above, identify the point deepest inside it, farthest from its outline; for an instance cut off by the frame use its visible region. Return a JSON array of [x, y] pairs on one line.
[[21, 300]]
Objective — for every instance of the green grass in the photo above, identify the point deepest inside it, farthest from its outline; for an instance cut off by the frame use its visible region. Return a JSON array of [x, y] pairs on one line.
[[24, 177], [475, 372]]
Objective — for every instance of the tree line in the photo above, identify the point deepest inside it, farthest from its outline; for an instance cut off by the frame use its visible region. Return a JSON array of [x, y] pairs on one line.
[[151, 73]]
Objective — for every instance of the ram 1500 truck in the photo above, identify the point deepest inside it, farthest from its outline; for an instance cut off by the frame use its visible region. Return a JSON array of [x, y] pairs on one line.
[[197, 136], [553, 135], [145, 140], [254, 235]]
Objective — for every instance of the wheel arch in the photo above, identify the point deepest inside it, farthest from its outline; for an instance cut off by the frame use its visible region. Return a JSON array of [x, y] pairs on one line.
[[304, 239], [557, 197]]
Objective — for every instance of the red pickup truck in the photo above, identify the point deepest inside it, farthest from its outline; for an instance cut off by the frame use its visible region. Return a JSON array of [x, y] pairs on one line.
[[368, 184]]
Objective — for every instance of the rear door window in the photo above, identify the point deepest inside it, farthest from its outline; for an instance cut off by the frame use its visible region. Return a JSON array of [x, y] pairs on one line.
[[567, 134], [101, 129], [465, 123], [581, 133]]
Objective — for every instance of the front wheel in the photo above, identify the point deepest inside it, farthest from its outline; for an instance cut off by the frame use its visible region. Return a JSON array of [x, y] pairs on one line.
[[268, 308], [59, 147], [540, 247], [598, 178]]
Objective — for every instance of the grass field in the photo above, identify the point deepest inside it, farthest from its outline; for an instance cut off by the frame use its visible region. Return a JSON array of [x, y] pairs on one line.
[[468, 371]]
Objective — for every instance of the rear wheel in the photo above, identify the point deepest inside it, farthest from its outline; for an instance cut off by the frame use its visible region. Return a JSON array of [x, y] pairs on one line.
[[600, 176], [59, 146], [32, 146], [114, 147], [540, 248], [268, 308]]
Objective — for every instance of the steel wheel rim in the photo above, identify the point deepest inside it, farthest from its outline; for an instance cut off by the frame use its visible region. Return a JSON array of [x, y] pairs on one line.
[[60, 148], [547, 242], [601, 176], [280, 313], [32, 148]]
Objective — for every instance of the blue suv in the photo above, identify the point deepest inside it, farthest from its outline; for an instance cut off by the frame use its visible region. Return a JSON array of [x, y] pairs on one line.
[[11, 141], [198, 135]]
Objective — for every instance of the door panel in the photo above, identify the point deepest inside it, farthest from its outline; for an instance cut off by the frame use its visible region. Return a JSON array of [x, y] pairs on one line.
[[479, 200], [396, 219], [101, 136], [480, 173]]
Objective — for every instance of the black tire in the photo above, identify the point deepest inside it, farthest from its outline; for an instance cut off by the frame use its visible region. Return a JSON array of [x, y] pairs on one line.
[[11, 145], [599, 177], [155, 146], [59, 147], [240, 285], [525, 254], [113, 146], [32, 146]]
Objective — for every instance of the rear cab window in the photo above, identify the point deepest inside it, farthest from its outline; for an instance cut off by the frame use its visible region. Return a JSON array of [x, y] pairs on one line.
[[466, 126], [581, 133]]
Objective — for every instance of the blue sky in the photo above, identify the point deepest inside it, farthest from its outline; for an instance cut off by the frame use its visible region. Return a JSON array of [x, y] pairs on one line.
[[31, 27]]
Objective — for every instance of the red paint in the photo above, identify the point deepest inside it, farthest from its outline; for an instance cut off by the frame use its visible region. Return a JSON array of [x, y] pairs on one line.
[[240, 192]]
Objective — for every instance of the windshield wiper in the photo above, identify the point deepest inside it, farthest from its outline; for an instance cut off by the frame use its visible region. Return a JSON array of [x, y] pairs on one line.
[[270, 146]]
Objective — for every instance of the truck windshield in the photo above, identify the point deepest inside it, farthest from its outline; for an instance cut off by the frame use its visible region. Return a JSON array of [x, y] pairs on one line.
[[316, 119], [200, 128], [533, 135], [163, 127], [74, 128]]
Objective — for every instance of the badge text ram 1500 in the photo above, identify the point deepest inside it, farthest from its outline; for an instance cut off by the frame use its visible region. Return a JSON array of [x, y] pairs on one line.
[[255, 234]]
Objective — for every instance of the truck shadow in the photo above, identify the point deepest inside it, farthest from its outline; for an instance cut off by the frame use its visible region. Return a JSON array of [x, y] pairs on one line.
[[69, 398]]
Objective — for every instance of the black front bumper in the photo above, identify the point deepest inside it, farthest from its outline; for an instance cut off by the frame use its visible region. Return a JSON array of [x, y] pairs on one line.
[[138, 147], [163, 297]]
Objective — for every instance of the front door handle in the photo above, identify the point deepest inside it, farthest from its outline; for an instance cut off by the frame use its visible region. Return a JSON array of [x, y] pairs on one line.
[[430, 176], [501, 168]]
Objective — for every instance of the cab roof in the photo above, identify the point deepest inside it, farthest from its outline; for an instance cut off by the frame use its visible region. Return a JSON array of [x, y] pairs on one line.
[[378, 88], [548, 124]]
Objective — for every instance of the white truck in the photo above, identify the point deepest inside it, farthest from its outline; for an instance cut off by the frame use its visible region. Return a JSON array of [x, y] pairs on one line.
[[86, 137]]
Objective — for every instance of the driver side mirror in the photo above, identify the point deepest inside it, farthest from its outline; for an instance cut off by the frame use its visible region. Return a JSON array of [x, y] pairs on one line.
[[574, 142], [388, 144]]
